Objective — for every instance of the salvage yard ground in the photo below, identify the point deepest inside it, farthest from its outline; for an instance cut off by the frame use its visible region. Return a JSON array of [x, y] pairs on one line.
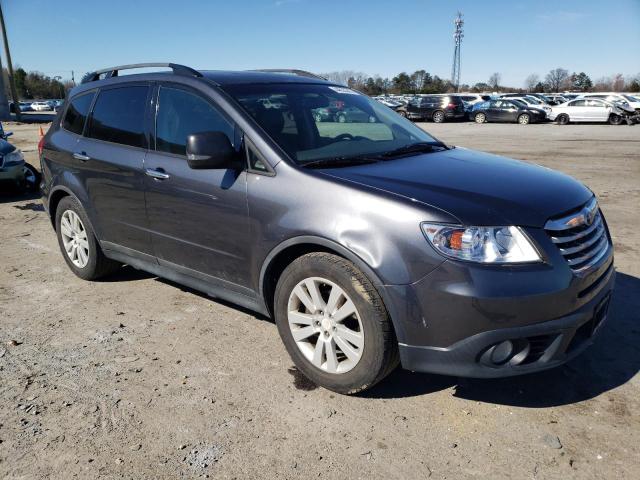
[[136, 377]]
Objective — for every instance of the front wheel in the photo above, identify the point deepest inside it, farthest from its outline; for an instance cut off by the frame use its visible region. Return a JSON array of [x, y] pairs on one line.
[[615, 119], [334, 324], [438, 116], [480, 118], [342, 119], [31, 178], [562, 119], [524, 119]]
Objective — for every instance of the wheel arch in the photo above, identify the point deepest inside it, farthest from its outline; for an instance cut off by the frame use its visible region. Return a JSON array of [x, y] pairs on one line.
[[286, 252]]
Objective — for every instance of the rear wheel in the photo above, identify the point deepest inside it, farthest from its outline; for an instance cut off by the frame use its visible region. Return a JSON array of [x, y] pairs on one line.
[[334, 324], [402, 113], [342, 119], [524, 119], [480, 118], [562, 119], [78, 243], [615, 119], [438, 116]]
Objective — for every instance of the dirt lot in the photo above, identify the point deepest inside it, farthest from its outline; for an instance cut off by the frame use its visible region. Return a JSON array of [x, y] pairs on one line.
[[136, 377]]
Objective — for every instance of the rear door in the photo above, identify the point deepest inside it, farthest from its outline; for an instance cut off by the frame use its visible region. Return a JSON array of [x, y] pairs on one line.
[[110, 159], [198, 218]]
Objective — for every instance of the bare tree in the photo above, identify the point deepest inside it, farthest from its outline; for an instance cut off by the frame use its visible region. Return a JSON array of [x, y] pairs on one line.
[[556, 79], [531, 81], [617, 84], [494, 81], [342, 77]]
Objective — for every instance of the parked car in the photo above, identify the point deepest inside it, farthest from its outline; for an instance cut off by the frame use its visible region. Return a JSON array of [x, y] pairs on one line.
[[474, 98], [434, 107], [371, 245], [508, 110], [354, 115], [14, 171], [587, 110], [40, 106], [533, 103], [557, 99], [615, 98]]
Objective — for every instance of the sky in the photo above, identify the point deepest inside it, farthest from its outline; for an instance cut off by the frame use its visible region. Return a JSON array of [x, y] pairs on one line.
[[512, 37]]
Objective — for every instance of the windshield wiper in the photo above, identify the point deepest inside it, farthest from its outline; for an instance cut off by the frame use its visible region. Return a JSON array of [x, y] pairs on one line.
[[342, 161], [414, 148]]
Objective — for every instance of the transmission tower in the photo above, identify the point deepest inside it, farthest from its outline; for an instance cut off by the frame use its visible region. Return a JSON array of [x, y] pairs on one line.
[[457, 38]]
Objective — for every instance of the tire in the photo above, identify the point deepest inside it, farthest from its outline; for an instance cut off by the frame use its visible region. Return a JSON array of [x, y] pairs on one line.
[[32, 178], [96, 265], [438, 116], [376, 347], [562, 119], [342, 119], [524, 119], [402, 113], [317, 118], [480, 118], [615, 119]]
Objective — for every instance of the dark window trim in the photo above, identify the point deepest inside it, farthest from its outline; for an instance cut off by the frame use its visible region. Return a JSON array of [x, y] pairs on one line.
[[114, 87], [193, 91], [249, 145], [93, 91]]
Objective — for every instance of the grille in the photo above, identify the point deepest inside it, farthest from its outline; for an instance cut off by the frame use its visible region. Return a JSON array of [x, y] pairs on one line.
[[581, 237]]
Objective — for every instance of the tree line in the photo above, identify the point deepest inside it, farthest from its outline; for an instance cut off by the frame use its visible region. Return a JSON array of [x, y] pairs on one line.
[[421, 81], [36, 85]]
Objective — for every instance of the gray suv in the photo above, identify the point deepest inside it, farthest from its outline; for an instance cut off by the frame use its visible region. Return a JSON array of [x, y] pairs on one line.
[[370, 243]]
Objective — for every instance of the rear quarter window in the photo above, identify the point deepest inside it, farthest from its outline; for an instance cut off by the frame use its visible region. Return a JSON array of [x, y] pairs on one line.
[[77, 112], [118, 116]]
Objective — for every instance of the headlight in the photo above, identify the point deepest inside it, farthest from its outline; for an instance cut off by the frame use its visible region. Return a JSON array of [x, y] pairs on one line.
[[14, 158], [481, 244]]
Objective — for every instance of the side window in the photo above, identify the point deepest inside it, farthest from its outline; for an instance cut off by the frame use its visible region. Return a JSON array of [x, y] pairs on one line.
[[255, 162], [118, 116], [180, 114], [77, 113], [577, 103]]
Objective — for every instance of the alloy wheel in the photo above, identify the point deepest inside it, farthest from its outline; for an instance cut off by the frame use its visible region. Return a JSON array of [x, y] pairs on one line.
[[325, 324], [74, 238]]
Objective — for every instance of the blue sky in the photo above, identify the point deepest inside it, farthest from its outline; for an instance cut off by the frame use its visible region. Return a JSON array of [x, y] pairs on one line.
[[515, 37]]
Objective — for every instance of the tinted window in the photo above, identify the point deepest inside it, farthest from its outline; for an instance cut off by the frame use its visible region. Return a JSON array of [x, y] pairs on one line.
[[77, 113], [578, 103], [118, 116], [180, 114]]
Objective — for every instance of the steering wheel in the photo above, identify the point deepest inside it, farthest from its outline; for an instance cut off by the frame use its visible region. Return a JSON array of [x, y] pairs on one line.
[[344, 136]]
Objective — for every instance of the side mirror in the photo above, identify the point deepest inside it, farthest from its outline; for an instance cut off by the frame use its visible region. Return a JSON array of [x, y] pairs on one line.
[[210, 150], [7, 134]]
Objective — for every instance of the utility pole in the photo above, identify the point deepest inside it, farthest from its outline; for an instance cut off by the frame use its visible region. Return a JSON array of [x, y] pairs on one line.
[[457, 38], [12, 83], [5, 113]]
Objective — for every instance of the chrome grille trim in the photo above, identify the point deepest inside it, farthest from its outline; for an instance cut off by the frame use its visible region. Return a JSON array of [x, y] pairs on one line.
[[581, 237]]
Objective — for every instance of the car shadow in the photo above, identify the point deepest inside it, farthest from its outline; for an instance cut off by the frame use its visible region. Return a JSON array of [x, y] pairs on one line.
[[610, 362], [12, 195]]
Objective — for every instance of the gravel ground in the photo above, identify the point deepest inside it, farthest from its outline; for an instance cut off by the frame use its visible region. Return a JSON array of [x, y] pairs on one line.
[[136, 377]]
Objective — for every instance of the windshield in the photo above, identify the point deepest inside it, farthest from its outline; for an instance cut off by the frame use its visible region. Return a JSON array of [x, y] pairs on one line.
[[630, 98], [312, 122]]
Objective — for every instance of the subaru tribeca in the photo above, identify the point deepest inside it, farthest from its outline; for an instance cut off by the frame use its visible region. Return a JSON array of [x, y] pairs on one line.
[[370, 243]]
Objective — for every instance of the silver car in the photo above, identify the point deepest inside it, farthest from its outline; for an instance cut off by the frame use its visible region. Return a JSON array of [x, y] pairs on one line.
[[586, 110]]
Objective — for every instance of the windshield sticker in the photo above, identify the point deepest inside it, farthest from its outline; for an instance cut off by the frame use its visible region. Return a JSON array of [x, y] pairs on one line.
[[345, 90]]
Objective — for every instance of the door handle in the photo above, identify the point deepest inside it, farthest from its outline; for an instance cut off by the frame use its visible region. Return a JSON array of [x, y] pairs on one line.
[[81, 156], [157, 173]]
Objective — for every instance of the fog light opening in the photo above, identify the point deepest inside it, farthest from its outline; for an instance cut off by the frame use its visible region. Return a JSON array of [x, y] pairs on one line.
[[502, 352]]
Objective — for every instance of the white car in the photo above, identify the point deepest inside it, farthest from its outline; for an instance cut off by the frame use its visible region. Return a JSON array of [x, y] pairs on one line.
[[615, 98], [40, 107], [586, 110]]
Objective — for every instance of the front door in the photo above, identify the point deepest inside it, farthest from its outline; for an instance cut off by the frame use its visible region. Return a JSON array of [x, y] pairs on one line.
[[198, 218]]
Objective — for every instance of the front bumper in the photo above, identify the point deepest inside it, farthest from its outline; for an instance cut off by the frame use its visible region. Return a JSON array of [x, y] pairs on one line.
[[14, 173], [453, 320]]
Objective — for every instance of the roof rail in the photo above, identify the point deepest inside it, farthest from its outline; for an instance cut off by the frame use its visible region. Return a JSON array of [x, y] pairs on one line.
[[300, 73], [113, 71]]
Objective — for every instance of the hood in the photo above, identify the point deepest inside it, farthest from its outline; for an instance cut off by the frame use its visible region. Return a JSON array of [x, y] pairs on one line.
[[477, 188]]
